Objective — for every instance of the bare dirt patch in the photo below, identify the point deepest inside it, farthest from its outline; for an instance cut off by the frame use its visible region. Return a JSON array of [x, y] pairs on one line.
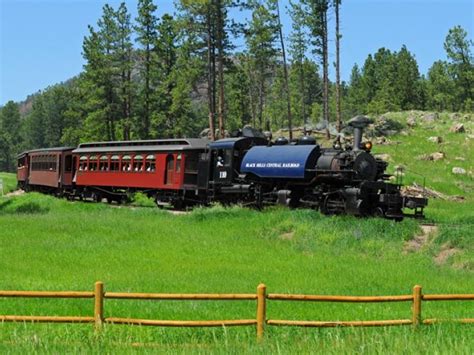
[[178, 213], [420, 240], [446, 252], [287, 236], [416, 190], [15, 193]]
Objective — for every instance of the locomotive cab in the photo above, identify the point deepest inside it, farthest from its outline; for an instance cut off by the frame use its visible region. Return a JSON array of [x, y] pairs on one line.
[[225, 159]]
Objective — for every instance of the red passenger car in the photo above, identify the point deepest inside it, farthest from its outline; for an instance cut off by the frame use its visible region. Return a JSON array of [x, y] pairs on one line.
[[166, 169]]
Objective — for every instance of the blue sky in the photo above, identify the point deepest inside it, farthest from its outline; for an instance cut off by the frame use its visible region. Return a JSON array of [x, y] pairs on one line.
[[41, 40]]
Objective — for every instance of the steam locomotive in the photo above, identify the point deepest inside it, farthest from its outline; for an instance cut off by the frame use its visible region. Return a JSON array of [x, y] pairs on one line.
[[248, 169]]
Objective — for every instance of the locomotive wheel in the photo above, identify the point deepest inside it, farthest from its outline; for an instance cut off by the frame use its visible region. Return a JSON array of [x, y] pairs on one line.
[[379, 212], [333, 204]]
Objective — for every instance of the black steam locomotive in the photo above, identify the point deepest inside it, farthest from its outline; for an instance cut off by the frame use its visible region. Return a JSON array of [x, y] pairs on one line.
[[334, 180], [247, 169]]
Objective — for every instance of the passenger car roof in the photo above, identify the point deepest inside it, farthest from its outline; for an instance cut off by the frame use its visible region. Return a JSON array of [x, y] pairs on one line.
[[45, 150], [142, 146]]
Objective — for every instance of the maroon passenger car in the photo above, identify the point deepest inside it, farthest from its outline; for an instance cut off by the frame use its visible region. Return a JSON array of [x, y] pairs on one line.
[[48, 170]]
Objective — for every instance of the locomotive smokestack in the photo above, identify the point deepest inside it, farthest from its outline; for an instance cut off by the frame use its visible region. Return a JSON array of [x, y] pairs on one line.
[[358, 123]]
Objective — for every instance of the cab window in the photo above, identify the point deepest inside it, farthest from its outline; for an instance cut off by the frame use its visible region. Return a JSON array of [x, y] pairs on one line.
[[224, 157]]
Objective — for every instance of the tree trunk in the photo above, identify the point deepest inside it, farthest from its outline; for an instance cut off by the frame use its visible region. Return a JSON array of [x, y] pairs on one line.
[[146, 118], [325, 73], [338, 74], [303, 94], [210, 94], [220, 48], [261, 93], [285, 72]]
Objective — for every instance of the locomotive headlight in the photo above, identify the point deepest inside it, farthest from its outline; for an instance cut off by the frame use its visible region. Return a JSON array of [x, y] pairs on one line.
[[368, 146]]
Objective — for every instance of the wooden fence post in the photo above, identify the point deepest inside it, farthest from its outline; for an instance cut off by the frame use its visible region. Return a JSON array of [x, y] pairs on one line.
[[99, 304], [416, 310], [261, 310]]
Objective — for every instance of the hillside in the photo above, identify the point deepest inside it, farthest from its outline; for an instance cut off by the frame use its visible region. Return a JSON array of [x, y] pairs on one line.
[[411, 139]]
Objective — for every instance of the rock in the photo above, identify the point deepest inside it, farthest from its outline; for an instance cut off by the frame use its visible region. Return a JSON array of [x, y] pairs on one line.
[[460, 158], [437, 156], [435, 139], [432, 157], [381, 140], [320, 126], [470, 136], [385, 157], [384, 126], [457, 128], [205, 133], [459, 171], [431, 117], [411, 121], [454, 116]]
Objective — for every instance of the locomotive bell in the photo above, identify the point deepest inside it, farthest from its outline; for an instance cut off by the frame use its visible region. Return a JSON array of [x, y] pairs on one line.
[[281, 141], [358, 123]]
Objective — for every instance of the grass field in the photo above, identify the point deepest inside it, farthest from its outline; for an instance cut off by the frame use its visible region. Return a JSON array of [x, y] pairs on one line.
[[52, 244], [9, 182]]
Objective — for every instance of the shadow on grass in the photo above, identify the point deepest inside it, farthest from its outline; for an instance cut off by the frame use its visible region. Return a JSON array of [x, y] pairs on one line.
[[11, 206]]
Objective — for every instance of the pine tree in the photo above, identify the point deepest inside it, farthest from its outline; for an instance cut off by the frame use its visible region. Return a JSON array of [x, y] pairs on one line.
[[260, 38], [146, 31], [441, 88], [10, 139], [124, 65], [459, 51], [298, 48], [100, 50], [407, 80], [35, 125], [317, 22]]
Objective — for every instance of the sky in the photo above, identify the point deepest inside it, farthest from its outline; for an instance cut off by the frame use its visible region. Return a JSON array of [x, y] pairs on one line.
[[41, 40]]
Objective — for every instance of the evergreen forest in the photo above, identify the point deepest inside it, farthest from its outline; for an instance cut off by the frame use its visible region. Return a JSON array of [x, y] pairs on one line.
[[179, 74]]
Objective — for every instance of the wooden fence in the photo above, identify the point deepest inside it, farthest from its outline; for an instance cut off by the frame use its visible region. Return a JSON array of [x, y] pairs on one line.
[[261, 297]]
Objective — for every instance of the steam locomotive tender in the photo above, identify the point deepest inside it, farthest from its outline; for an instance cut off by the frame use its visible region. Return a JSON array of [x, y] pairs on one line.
[[247, 169]]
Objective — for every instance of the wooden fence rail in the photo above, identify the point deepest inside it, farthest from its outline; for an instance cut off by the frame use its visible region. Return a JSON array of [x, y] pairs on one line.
[[261, 297]]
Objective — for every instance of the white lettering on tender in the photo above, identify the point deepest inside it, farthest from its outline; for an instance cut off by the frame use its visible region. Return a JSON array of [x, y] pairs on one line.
[[273, 165]]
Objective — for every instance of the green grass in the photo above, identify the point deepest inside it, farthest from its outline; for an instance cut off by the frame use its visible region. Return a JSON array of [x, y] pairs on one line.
[[52, 244], [9, 182]]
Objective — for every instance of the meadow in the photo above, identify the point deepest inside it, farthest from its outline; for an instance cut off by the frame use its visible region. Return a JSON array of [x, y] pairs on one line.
[[52, 244], [9, 182]]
